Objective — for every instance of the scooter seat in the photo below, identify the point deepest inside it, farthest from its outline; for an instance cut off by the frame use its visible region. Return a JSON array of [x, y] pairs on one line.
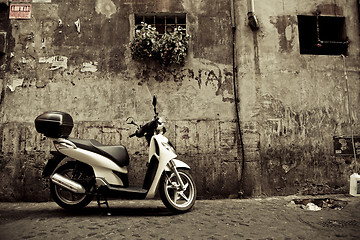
[[118, 153]]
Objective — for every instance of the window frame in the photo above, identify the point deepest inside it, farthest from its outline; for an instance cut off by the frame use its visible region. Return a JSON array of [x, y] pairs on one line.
[[322, 35]]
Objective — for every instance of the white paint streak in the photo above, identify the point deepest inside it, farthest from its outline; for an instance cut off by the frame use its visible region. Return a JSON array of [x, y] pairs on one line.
[[89, 67], [105, 7], [15, 83], [77, 25]]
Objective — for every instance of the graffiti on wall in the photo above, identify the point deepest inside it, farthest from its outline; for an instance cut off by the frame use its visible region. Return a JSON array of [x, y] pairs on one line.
[[218, 79]]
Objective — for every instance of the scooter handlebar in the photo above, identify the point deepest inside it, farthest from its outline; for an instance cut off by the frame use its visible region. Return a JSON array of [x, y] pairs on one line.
[[147, 128], [133, 135]]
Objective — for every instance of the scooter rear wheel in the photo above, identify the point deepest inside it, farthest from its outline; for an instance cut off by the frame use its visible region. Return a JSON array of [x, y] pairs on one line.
[[171, 194], [66, 199]]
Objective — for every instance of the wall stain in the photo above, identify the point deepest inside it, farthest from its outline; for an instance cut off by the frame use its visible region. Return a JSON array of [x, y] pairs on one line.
[[330, 9], [286, 27], [256, 54], [293, 157]]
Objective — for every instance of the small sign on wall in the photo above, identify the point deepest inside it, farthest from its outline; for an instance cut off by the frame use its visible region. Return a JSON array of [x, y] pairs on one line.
[[20, 11], [343, 146], [21, 1], [41, 1]]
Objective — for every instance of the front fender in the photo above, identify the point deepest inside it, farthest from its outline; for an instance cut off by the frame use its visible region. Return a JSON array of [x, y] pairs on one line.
[[178, 164]]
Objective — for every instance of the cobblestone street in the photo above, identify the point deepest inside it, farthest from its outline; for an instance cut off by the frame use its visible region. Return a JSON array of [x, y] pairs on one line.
[[268, 218]]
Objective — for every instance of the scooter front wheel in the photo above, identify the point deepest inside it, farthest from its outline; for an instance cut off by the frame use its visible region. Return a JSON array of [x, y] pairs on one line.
[[175, 198], [66, 199]]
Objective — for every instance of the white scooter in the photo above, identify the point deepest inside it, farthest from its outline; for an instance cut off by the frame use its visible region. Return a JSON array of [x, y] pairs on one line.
[[100, 170]]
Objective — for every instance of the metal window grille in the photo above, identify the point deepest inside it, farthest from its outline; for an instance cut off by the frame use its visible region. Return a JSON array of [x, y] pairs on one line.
[[164, 23]]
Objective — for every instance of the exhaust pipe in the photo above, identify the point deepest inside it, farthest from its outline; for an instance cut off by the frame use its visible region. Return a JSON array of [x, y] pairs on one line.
[[67, 183]]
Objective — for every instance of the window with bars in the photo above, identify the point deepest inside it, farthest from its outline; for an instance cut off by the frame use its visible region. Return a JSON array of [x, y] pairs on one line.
[[322, 35], [164, 23]]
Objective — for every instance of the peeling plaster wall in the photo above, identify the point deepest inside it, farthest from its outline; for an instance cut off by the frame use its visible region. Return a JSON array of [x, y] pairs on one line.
[[292, 105], [73, 56]]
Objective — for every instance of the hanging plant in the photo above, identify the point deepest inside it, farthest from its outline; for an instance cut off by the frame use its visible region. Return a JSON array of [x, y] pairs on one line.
[[170, 48], [144, 43]]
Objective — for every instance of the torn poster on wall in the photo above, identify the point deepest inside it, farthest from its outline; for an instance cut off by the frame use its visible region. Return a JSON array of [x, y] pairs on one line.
[[56, 62]]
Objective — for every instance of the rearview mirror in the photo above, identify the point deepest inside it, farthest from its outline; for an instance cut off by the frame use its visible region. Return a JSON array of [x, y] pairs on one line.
[[154, 104], [154, 101]]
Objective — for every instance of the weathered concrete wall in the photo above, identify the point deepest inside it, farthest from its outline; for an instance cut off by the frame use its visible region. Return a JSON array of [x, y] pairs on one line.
[[291, 105], [89, 73]]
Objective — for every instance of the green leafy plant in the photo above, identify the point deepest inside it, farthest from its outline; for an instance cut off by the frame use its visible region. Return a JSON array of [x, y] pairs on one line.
[[144, 44], [170, 48]]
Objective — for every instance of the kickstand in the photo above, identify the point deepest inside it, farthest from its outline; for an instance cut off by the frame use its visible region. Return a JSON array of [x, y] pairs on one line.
[[105, 202]]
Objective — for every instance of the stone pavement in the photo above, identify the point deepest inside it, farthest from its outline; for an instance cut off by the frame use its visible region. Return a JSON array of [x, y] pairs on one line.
[[267, 218]]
